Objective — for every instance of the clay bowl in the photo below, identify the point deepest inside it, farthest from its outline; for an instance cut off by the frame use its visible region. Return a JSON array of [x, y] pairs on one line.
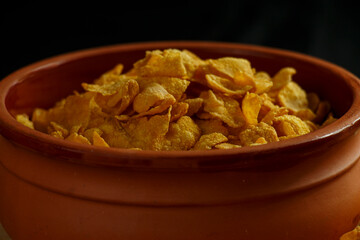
[[303, 188]]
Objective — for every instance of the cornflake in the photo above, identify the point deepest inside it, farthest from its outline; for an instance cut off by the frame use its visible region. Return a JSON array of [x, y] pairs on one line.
[[174, 100]]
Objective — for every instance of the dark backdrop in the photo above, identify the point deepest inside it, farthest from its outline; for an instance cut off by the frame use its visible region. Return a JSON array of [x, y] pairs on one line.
[[327, 29]]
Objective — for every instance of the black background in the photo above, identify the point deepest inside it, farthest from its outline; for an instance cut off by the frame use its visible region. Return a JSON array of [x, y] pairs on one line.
[[325, 29]]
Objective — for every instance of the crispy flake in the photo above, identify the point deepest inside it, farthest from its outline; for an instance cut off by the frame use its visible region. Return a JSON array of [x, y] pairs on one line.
[[293, 97], [168, 63], [226, 86], [274, 112], [153, 99], [178, 110], [174, 86], [238, 69], [114, 97], [259, 141], [182, 134], [263, 82], [24, 119], [148, 133], [282, 77], [224, 108], [251, 105], [290, 126], [226, 146], [88, 133], [74, 137], [208, 141], [211, 126], [194, 105], [251, 135], [40, 119], [305, 114], [97, 140], [58, 130], [115, 134], [75, 110]]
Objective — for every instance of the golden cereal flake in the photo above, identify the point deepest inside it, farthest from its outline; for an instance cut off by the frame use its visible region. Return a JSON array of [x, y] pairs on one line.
[[182, 134], [263, 82], [40, 119], [251, 134], [152, 99], [305, 114], [232, 68], [251, 105], [282, 78], [191, 62], [178, 110], [147, 133], [167, 63], [88, 133], [114, 97], [259, 141], [226, 86], [226, 145], [293, 97], [208, 141], [57, 130], [274, 112], [194, 105], [290, 126], [24, 119], [267, 104], [97, 140], [224, 108], [74, 137], [174, 86], [211, 126], [75, 110], [114, 134]]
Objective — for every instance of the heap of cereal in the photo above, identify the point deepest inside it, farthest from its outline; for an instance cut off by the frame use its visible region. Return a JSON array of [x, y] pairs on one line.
[[174, 100]]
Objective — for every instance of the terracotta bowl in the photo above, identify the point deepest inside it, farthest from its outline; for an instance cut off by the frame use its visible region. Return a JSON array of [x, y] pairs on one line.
[[303, 188]]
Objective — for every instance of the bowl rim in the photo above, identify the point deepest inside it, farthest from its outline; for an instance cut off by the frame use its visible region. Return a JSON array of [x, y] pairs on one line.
[[35, 140]]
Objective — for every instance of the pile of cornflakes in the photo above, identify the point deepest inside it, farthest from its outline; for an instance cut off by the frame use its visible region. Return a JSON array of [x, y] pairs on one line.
[[174, 100]]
